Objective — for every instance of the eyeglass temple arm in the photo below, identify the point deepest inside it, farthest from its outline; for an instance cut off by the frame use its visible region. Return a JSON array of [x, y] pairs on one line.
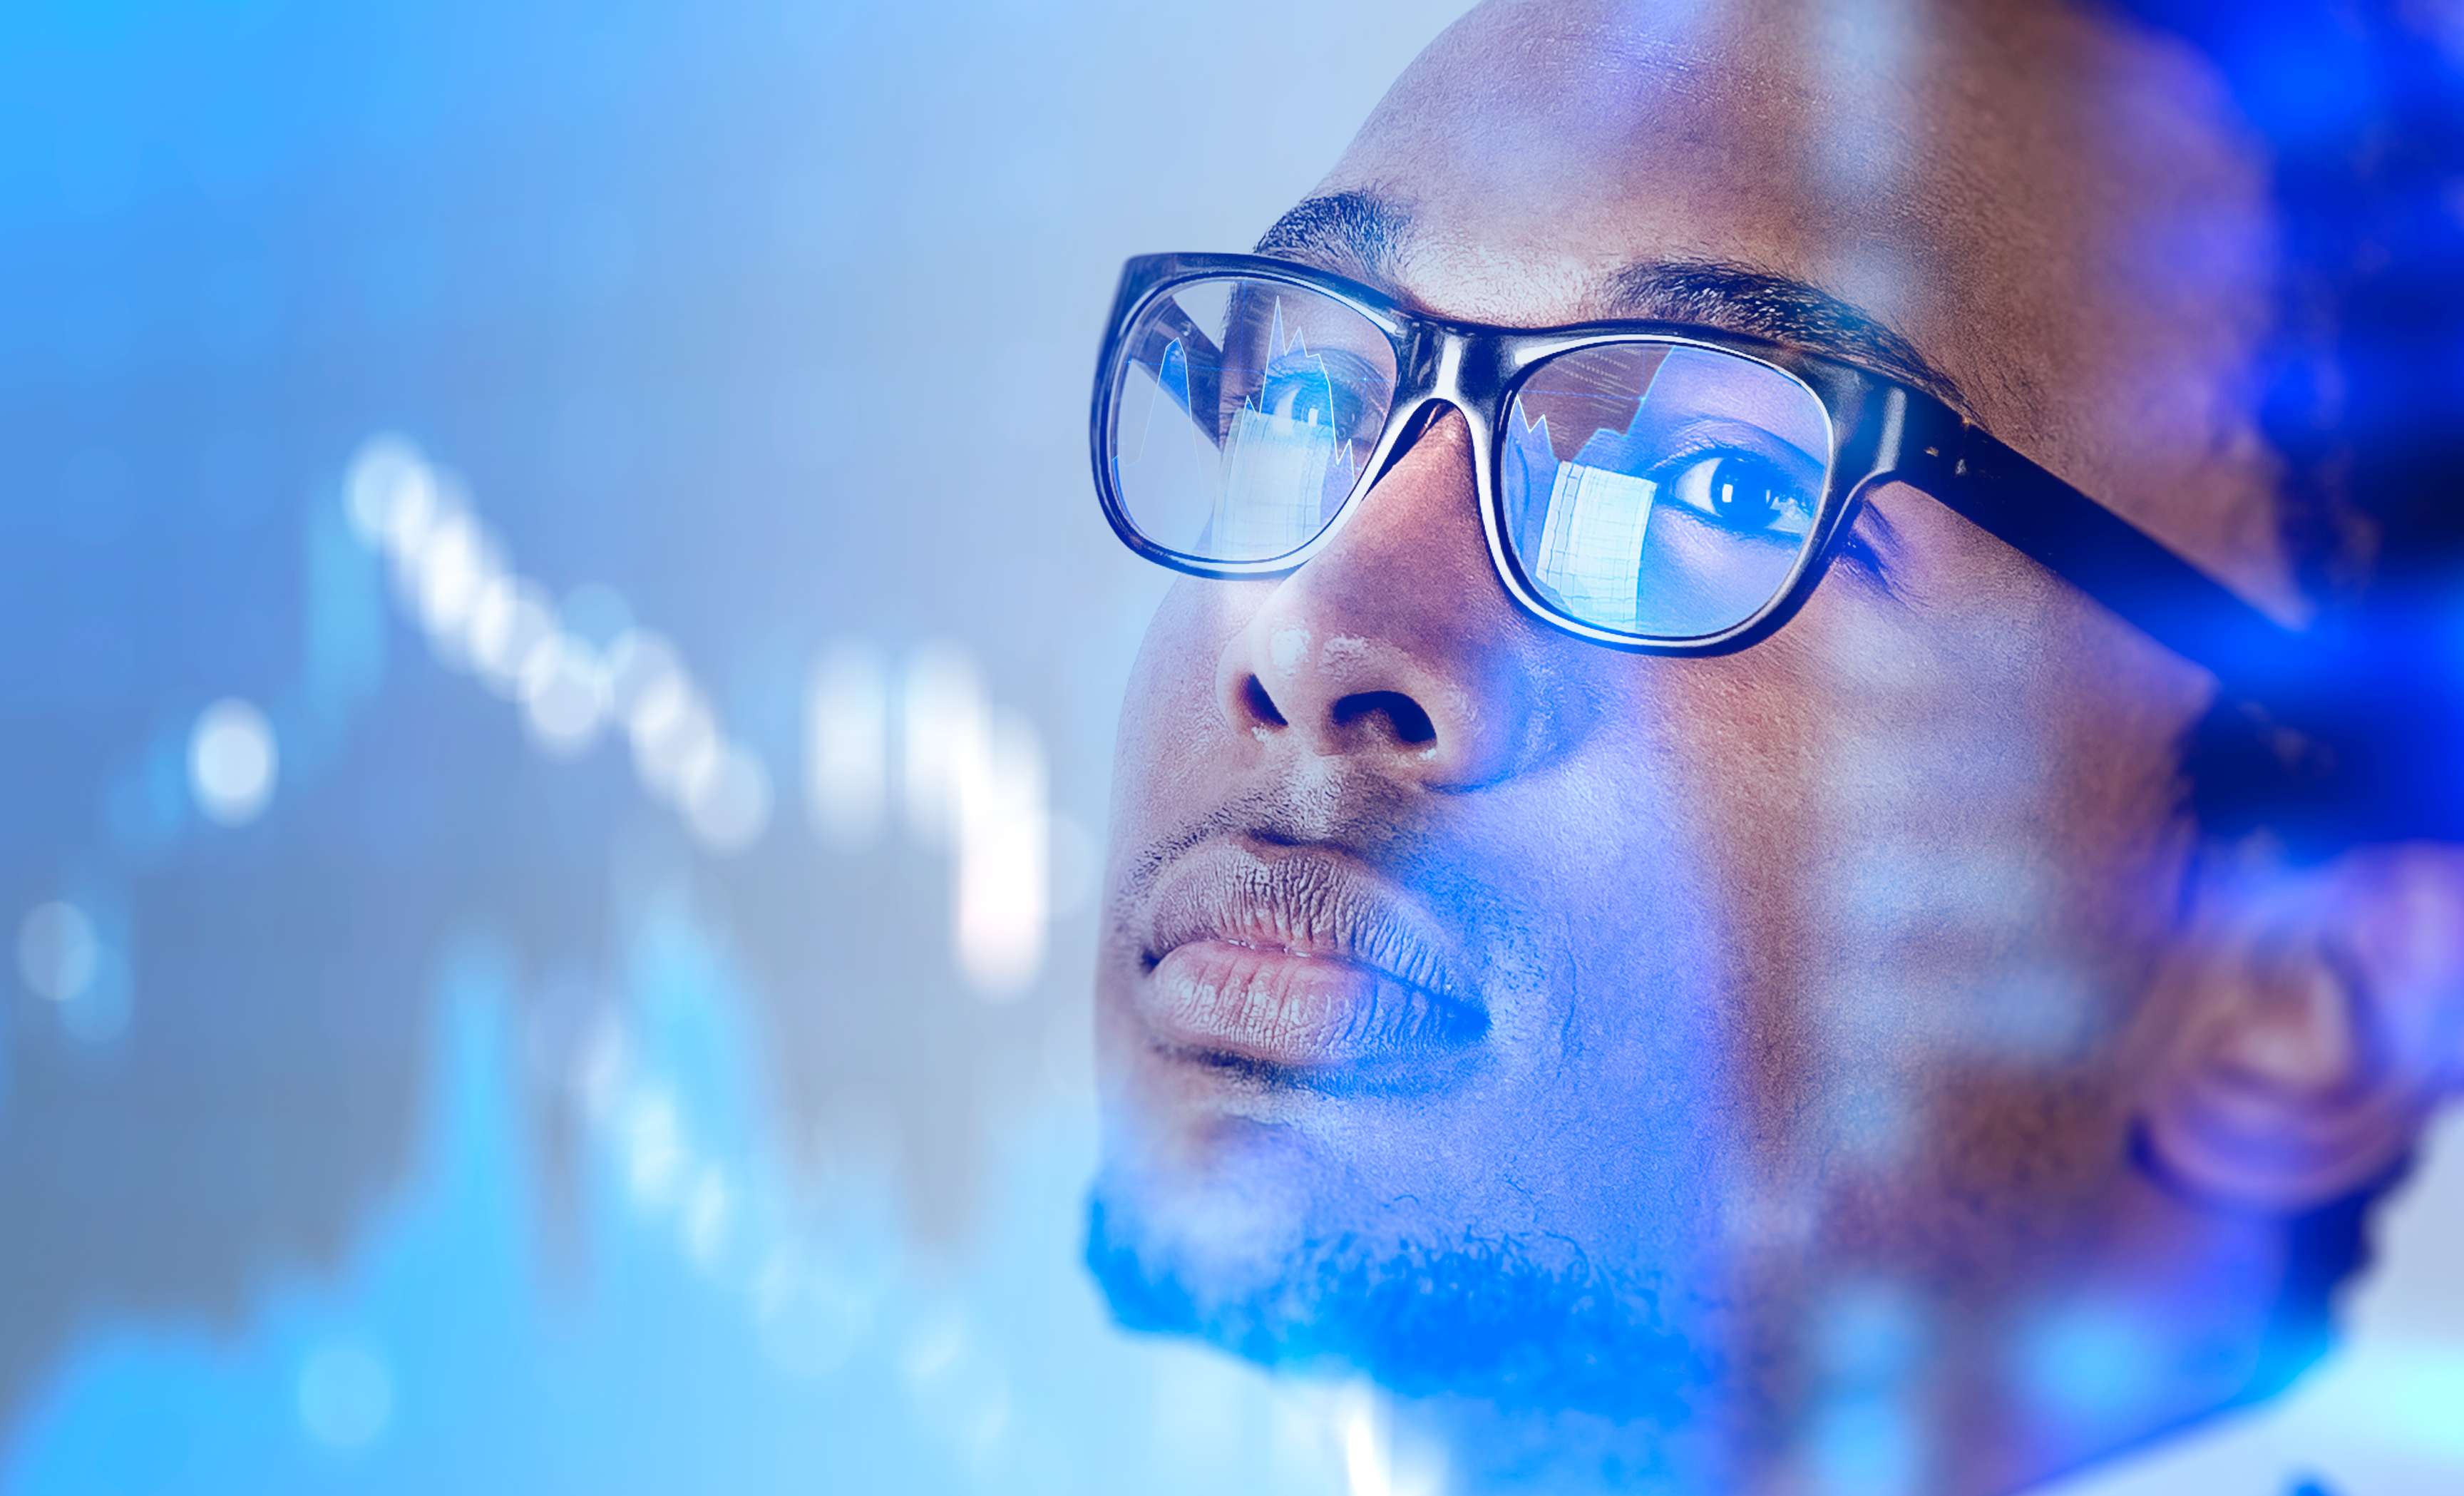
[[2123, 567]]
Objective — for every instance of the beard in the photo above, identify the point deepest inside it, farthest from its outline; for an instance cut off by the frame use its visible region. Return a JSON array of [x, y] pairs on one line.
[[1518, 1327]]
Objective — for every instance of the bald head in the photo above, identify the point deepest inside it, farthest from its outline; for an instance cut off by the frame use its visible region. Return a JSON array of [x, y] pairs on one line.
[[2058, 211]]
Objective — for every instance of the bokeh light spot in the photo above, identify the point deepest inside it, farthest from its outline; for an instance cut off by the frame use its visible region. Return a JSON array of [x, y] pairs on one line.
[[231, 762], [56, 951]]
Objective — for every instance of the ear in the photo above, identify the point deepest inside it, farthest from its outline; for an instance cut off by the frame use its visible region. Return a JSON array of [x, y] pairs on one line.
[[2323, 1019]]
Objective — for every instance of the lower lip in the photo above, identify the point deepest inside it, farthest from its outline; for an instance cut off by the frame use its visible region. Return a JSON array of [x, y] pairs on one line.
[[1307, 1018]]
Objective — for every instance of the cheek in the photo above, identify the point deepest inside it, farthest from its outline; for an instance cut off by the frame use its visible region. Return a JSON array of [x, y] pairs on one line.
[[1948, 825], [1168, 714]]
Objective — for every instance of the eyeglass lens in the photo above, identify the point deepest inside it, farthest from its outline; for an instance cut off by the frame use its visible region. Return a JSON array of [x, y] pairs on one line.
[[1245, 414], [1661, 490], [1650, 487]]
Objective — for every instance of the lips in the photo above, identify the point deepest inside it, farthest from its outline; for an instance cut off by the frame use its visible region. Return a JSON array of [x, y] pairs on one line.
[[1301, 968]]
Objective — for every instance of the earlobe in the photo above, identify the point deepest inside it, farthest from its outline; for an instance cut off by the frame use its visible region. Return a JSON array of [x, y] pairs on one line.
[[2319, 1029]]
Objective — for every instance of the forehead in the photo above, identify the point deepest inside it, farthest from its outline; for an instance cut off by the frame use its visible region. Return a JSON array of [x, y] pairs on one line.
[[2056, 209]]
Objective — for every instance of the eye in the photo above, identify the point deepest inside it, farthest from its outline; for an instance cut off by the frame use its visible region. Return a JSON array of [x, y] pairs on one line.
[[1744, 493], [1316, 388]]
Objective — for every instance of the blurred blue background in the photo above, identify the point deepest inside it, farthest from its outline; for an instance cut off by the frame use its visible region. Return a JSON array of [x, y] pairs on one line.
[[558, 669], [497, 996]]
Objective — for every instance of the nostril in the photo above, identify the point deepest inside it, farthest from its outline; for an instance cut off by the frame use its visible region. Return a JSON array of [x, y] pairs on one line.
[[1405, 717], [1262, 706]]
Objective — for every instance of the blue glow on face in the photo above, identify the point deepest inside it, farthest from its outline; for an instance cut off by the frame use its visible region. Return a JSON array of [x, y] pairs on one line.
[[2089, 1361], [1866, 1448], [1870, 1335]]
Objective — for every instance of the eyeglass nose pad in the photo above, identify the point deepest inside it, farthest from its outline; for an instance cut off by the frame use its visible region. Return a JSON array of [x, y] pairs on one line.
[[1414, 426], [1417, 425]]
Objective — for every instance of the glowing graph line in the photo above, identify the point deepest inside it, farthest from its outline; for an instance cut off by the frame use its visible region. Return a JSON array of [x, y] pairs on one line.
[[975, 781]]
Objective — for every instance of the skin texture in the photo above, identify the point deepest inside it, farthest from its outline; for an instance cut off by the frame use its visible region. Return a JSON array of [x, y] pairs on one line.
[[1832, 986]]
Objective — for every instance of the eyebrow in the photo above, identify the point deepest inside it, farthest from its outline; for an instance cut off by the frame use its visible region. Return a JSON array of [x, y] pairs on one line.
[[1362, 234], [1739, 298], [1356, 233]]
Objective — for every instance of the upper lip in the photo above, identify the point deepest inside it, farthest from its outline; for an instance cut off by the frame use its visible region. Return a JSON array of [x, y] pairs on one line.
[[1309, 901]]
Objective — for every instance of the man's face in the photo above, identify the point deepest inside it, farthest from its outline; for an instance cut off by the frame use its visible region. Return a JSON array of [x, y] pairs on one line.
[[1523, 1017]]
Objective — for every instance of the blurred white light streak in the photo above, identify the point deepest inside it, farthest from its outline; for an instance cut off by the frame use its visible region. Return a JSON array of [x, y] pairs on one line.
[[453, 563], [231, 762], [675, 738], [371, 491], [727, 800], [510, 624], [943, 735], [600, 1069], [57, 951], [410, 504], [565, 696], [1003, 860], [639, 660], [1374, 1463], [973, 782], [654, 1154], [847, 759], [575, 670], [1365, 1467]]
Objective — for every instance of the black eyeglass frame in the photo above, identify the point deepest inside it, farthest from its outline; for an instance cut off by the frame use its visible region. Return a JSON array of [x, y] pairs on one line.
[[1882, 430]]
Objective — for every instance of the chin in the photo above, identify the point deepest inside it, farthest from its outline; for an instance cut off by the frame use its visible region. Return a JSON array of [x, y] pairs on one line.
[[1177, 1257], [1221, 1198]]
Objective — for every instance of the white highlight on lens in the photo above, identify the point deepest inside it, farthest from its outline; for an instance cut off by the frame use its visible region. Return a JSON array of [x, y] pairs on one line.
[[346, 1396], [231, 762], [57, 952], [847, 770]]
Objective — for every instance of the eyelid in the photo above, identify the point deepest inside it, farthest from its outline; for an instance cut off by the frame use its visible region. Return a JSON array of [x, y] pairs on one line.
[[1716, 435], [1342, 365]]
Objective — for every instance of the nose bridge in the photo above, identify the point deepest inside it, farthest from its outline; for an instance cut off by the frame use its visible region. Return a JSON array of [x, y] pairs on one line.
[[1446, 366], [1454, 364], [1394, 645]]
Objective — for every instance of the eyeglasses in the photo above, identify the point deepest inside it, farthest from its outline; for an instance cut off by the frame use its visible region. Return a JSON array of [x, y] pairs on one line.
[[1659, 488]]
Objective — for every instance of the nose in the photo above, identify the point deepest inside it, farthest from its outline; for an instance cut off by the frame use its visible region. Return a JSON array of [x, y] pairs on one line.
[[1396, 645]]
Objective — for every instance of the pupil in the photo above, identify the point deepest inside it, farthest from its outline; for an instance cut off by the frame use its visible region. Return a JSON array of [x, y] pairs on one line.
[[1747, 505]]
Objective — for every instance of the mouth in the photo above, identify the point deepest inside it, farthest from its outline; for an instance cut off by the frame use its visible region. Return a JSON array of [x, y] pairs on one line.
[[1302, 969]]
